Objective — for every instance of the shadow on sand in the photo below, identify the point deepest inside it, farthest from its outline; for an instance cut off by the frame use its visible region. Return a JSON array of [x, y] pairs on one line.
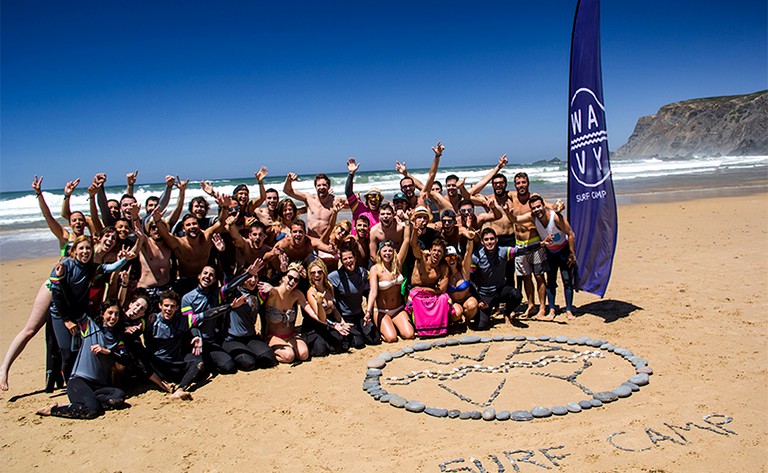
[[609, 310]]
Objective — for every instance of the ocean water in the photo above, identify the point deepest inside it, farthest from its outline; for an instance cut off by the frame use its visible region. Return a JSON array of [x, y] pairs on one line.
[[24, 233]]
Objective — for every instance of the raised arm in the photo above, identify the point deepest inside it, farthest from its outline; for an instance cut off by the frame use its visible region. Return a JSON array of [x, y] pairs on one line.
[[58, 231], [402, 253], [288, 188], [256, 203], [162, 229], [426, 188], [165, 197], [182, 185], [466, 263], [223, 201], [69, 188], [130, 182], [474, 190], [352, 167], [96, 225], [402, 169], [237, 238], [100, 179]]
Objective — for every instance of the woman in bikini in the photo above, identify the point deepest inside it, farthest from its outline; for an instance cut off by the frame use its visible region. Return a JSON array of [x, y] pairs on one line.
[[280, 314], [386, 280], [459, 286], [329, 334]]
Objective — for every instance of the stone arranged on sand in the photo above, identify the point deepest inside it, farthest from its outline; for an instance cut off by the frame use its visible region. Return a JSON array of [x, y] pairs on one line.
[[606, 396], [639, 379], [377, 363], [522, 416], [631, 386], [622, 391], [374, 374], [437, 411], [415, 406], [397, 401], [573, 407]]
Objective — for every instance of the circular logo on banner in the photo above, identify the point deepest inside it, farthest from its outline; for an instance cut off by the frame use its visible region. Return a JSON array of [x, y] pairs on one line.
[[505, 376], [589, 139]]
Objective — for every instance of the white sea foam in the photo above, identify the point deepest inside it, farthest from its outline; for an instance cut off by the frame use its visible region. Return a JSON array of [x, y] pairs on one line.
[[21, 219]]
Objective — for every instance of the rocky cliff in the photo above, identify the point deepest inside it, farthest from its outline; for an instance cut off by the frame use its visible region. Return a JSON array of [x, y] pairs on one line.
[[718, 126]]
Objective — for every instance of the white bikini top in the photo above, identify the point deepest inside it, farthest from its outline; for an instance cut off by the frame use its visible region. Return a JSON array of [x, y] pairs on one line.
[[395, 282]]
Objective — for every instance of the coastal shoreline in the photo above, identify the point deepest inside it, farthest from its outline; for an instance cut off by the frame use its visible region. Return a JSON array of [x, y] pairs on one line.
[[693, 306]]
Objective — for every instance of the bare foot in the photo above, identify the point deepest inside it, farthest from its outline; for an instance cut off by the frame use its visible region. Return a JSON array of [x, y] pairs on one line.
[[569, 315], [163, 385], [3, 380], [529, 312], [181, 394], [46, 411], [548, 317], [508, 319]]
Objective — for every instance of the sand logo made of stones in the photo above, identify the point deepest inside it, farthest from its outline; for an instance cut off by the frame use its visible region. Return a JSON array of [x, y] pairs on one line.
[[534, 354]]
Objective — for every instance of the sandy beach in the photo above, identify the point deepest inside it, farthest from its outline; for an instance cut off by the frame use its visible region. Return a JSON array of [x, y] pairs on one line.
[[688, 294]]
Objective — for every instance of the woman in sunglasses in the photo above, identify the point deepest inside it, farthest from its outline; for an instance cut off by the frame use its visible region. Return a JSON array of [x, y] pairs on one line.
[[280, 314], [386, 281]]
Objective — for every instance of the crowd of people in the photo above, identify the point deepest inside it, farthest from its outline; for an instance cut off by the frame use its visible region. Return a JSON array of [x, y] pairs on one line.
[[139, 297]]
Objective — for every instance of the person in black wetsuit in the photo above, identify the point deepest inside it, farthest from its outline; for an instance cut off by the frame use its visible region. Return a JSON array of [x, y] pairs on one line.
[[89, 389], [165, 337]]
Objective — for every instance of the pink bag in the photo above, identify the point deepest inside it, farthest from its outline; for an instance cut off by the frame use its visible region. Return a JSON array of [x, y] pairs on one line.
[[430, 312]]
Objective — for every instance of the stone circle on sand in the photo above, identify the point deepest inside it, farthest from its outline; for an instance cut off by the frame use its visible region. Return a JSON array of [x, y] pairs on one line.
[[596, 348]]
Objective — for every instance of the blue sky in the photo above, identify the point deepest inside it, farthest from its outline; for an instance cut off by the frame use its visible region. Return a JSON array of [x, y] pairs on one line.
[[211, 90]]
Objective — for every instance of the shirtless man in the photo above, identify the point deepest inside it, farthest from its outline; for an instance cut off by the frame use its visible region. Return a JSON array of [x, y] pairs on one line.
[[298, 246], [155, 259], [193, 248], [268, 215], [387, 229], [525, 234], [247, 250], [319, 207]]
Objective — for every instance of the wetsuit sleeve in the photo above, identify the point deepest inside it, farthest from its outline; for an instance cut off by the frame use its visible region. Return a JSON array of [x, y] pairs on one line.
[[233, 284], [165, 198], [112, 267], [524, 250], [349, 186]]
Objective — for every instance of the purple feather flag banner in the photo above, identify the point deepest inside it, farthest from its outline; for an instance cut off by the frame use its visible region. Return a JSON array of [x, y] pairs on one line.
[[591, 199]]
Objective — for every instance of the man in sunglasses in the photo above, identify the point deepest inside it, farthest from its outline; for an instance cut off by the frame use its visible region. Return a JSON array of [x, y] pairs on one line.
[[373, 197]]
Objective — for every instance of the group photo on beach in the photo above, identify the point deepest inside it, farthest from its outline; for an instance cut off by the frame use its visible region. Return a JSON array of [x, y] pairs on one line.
[[350, 238]]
